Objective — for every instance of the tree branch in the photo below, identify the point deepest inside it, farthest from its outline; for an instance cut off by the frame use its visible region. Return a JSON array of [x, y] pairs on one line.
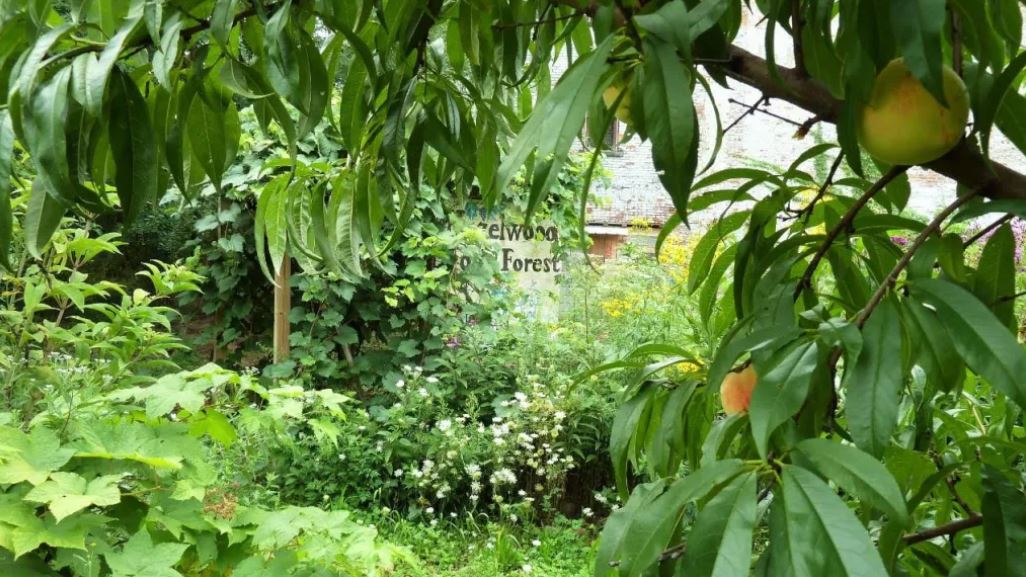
[[963, 164], [892, 277], [987, 230], [806, 212], [949, 529], [843, 225]]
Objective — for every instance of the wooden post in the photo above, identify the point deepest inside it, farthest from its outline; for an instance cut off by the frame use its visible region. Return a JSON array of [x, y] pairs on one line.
[[282, 305]]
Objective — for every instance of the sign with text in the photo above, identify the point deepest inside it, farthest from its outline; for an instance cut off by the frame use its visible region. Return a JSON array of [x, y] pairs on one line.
[[527, 253]]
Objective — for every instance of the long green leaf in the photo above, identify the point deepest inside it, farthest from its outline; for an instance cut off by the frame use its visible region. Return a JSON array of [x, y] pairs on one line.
[[720, 544], [987, 346], [134, 146], [875, 381], [783, 384], [42, 218], [45, 136], [99, 71], [1002, 85], [918, 26], [213, 135], [994, 281], [1004, 525], [6, 216], [857, 473], [824, 536]]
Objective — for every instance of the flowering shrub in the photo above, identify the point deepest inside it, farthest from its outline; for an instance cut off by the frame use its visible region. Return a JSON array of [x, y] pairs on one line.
[[509, 455]]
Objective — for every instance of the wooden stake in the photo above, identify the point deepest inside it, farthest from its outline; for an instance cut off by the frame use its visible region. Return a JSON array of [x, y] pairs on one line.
[[282, 305]]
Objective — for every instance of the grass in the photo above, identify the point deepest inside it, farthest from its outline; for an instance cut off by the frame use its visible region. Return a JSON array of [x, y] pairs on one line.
[[563, 548]]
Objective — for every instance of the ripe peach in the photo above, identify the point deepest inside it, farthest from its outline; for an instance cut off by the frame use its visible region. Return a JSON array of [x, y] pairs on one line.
[[903, 124], [736, 390]]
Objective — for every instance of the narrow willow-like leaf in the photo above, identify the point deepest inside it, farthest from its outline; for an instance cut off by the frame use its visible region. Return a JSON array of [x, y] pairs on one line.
[[133, 144], [213, 135], [782, 387], [624, 424], [874, 382], [857, 473], [987, 346], [42, 218], [823, 535], [6, 216], [720, 544], [45, 136], [918, 26], [994, 281], [1004, 525], [99, 70]]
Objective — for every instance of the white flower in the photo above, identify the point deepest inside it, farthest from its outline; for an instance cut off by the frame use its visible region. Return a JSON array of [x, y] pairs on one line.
[[587, 512], [600, 497], [520, 396], [522, 493], [400, 384], [432, 379], [398, 473], [536, 543], [422, 392], [386, 510], [452, 515], [560, 415], [434, 522], [341, 457], [527, 568], [440, 494], [444, 425], [514, 518], [430, 510]]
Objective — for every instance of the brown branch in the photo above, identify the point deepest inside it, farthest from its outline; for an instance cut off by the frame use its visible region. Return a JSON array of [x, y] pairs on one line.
[[963, 164], [949, 529], [806, 212], [797, 23], [892, 277], [843, 225], [751, 109], [987, 230]]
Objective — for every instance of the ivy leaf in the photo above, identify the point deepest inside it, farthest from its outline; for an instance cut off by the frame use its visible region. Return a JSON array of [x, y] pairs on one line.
[[1004, 525], [857, 473], [30, 457], [720, 543], [874, 382], [139, 557], [823, 536], [783, 385], [67, 493]]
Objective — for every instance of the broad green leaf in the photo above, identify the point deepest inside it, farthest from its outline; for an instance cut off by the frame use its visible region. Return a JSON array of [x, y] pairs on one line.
[[134, 146], [969, 561], [624, 424], [720, 544], [935, 351], [783, 383], [67, 493], [42, 218], [553, 125], [670, 121], [99, 71], [1006, 81], [166, 55], [918, 26], [618, 526], [313, 95], [68, 534], [994, 281], [214, 134], [6, 215], [857, 473], [140, 557], [222, 18], [874, 382], [823, 536], [979, 337], [641, 535], [30, 457], [1004, 525], [705, 251], [45, 137]]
